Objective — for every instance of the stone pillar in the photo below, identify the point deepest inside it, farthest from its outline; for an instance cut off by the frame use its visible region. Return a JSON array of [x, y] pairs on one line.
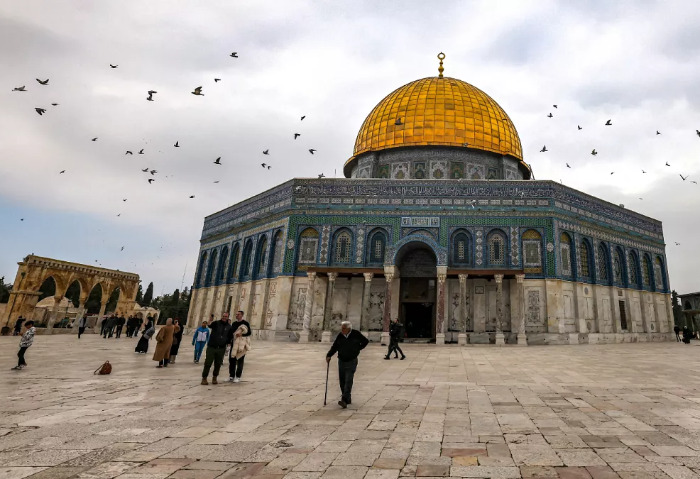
[[462, 336], [522, 337], [440, 318], [386, 317], [308, 307], [364, 318], [103, 307], [54, 313], [500, 340], [328, 311]]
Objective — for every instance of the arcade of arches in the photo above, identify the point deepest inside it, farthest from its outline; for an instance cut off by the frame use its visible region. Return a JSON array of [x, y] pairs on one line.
[[39, 277]]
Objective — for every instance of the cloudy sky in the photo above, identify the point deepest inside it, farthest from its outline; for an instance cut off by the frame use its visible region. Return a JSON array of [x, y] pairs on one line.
[[635, 62]]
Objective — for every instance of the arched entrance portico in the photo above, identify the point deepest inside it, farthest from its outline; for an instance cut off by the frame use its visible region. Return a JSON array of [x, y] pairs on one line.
[[417, 267]]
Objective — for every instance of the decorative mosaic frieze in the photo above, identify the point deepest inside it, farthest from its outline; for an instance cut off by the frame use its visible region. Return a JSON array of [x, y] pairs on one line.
[[325, 240]]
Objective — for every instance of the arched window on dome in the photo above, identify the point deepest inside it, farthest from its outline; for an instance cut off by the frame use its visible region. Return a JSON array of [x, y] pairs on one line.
[[376, 247], [603, 274], [647, 271], [261, 257], [619, 267], [233, 263], [308, 246], [496, 244], [584, 257], [565, 252], [342, 247], [461, 248], [633, 269], [532, 251], [221, 272]]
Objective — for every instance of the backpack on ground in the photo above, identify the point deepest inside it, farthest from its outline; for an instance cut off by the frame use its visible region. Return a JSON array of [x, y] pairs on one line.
[[106, 368]]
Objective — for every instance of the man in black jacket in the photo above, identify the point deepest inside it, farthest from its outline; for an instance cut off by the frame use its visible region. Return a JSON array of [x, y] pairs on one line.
[[348, 345], [216, 348], [395, 331], [235, 366]]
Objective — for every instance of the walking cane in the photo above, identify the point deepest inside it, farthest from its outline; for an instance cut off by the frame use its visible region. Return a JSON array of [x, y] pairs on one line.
[[325, 396]]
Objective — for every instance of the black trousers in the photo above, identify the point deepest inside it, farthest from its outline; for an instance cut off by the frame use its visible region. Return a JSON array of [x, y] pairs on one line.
[[235, 366], [216, 356], [164, 362], [20, 356], [393, 347], [119, 330], [81, 330], [346, 375]]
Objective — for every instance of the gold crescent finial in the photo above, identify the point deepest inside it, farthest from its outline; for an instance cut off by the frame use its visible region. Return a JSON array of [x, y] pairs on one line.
[[441, 57]]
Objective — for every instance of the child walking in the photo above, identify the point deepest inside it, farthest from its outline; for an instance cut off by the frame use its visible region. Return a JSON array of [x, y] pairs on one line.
[[199, 340], [24, 343]]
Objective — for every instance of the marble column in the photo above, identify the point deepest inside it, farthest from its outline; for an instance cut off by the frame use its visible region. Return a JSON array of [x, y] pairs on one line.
[[386, 317], [440, 318], [462, 337], [54, 313], [364, 317], [328, 311], [308, 307], [500, 340], [522, 338]]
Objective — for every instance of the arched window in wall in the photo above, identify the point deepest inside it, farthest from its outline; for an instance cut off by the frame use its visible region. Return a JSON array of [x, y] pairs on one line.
[[202, 268], [233, 263], [376, 247], [460, 248], [261, 256], [584, 257], [532, 251], [633, 266], [277, 253], [496, 242], [565, 253], [342, 245], [308, 246], [617, 266], [246, 263], [221, 272], [211, 269], [659, 279], [646, 271], [603, 263]]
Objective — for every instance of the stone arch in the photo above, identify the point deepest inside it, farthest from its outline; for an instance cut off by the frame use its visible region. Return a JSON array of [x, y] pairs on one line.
[[342, 247], [233, 262], [246, 260], [48, 287], [585, 255], [440, 253], [221, 271], [497, 250], [201, 269], [211, 268], [274, 263], [532, 248], [461, 245], [307, 246], [604, 270], [73, 294], [261, 257]]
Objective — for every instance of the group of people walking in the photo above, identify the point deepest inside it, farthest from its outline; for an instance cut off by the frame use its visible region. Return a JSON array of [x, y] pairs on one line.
[[224, 336]]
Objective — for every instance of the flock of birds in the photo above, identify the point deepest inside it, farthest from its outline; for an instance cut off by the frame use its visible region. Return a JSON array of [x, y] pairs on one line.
[[594, 152]]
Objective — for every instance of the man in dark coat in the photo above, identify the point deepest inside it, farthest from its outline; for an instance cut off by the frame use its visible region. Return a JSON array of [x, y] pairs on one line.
[[395, 331], [216, 348], [120, 321], [348, 345]]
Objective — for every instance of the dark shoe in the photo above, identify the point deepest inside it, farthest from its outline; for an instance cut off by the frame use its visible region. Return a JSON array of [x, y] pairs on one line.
[[387, 357], [342, 404], [403, 357], [159, 366], [204, 382], [347, 401], [214, 381]]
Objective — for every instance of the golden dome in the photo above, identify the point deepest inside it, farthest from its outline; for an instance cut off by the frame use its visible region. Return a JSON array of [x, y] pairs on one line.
[[438, 111]]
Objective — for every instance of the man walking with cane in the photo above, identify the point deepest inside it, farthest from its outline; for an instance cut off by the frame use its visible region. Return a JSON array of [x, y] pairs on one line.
[[348, 345]]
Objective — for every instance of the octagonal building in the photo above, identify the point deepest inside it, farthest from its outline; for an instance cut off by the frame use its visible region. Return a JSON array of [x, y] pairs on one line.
[[439, 223]]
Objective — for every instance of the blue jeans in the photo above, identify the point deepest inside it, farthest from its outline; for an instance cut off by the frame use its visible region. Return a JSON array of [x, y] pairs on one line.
[[346, 374], [198, 348]]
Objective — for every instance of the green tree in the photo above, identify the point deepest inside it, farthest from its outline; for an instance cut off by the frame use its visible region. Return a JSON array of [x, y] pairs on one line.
[[677, 314], [4, 290], [139, 295], [148, 297]]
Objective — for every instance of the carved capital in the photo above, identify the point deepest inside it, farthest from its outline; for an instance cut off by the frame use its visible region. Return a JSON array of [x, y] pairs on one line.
[[332, 276], [389, 277], [498, 278], [441, 278], [463, 278], [311, 275], [520, 278], [368, 276]]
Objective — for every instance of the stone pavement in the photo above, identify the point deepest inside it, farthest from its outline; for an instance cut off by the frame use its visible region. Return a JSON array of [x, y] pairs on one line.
[[595, 411]]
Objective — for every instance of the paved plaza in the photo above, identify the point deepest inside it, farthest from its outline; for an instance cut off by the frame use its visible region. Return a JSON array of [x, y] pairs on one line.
[[600, 411]]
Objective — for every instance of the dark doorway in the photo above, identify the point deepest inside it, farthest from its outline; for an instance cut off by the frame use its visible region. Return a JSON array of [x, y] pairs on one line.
[[418, 320]]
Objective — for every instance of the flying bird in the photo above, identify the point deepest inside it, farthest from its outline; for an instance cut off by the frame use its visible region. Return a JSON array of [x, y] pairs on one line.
[[122, 249], [119, 215], [321, 175], [151, 180], [266, 152], [61, 172], [21, 88], [695, 182], [191, 196], [177, 144], [113, 66], [234, 55], [141, 151], [145, 170], [677, 243], [153, 172], [567, 165], [312, 151], [45, 82], [129, 152], [612, 173], [217, 80], [684, 177], [297, 135], [667, 164], [555, 106], [696, 131], [198, 91], [124, 199], [302, 118], [21, 219], [264, 165], [94, 139], [216, 181], [217, 161], [550, 115], [40, 111], [643, 171], [54, 104], [398, 121], [150, 95], [608, 123], [658, 132], [579, 127], [544, 148], [594, 152]]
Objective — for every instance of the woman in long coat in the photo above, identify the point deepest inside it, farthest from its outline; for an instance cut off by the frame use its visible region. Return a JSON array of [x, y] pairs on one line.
[[177, 339], [142, 345], [164, 340]]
